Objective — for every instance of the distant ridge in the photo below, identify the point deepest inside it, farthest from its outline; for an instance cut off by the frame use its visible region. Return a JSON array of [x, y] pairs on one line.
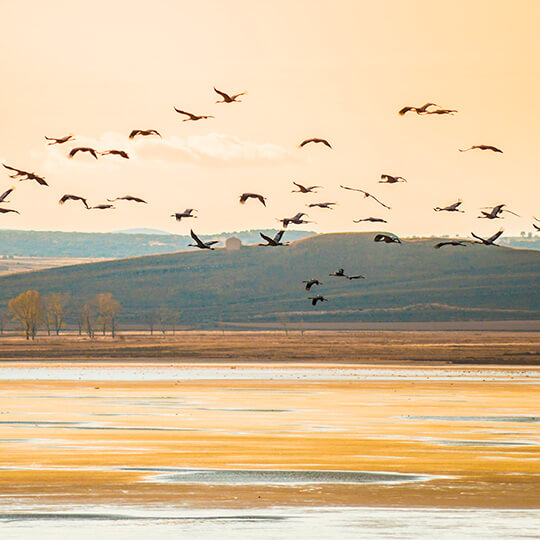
[[141, 231], [114, 245], [409, 282]]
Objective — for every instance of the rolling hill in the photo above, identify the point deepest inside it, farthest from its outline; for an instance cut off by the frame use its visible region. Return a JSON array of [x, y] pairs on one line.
[[409, 282]]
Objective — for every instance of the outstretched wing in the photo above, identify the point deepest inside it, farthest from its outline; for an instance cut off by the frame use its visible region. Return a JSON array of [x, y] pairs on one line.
[[492, 239], [12, 168], [278, 236], [478, 238], [266, 238], [5, 194], [223, 94], [184, 112], [196, 238]]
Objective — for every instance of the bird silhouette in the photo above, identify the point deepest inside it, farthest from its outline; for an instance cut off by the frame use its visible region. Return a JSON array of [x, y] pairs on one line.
[[304, 189], [25, 175], [273, 242], [371, 219], [357, 276], [482, 147], [200, 244], [495, 212], [87, 149], [318, 298], [190, 116], [387, 239], [388, 179], [451, 208], [128, 198], [227, 98], [326, 205], [245, 196], [418, 110], [60, 140], [314, 140], [69, 197], [187, 213], [338, 273], [120, 153], [8, 210], [311, 282], [489, 241], [366, 195], [143, 133], [297, 220], [450, 243], [102, 207]]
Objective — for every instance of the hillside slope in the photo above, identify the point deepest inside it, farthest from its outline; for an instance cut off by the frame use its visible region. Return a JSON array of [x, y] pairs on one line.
[[409, 282]]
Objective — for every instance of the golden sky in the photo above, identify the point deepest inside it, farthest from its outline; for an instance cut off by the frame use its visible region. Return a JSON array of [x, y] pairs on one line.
[[328, 68]]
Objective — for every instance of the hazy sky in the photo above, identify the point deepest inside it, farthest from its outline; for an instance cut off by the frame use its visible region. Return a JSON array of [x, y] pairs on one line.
[[329, 68]]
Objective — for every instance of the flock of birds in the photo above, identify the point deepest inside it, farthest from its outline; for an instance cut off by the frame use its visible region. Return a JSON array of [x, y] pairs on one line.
[[495, 212]]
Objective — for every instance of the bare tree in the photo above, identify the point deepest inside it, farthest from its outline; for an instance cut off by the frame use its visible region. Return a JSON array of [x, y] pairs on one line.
[[56, 305], [107, 308], [87, 318], [151, 317], [27, 308]]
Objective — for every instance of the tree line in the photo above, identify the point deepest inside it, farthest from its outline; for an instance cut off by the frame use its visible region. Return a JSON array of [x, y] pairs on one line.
[[32, 311]]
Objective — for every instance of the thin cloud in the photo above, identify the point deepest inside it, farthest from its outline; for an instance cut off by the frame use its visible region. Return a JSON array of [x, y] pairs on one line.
[[210, 150]]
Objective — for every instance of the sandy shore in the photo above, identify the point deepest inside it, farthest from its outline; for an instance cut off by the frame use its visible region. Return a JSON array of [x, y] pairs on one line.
[[473, 438]]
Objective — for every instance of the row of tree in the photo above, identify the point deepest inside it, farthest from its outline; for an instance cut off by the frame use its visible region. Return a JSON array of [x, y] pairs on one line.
[[55, 311], [32, 311]]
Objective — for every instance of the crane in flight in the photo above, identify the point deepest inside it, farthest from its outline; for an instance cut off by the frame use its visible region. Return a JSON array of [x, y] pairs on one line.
[[318, 298], [450, 208], [187, 213], [273, 242], [245, 196], [68, 197], [229, 98], [366, 195], [87, 149], [488, 241], [143, 133], [482, 147], [315, 140], [192, 117], [128, 198], [371, 220], [311, 282], [495, 212], [450, 243], [121, 153], [200, 244], [418, 110], [60, 140], [297, 220], [388, 179], [304, 189]]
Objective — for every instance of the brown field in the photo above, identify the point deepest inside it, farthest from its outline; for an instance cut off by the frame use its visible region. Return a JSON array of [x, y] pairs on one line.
[[67, 441], [366, 347]]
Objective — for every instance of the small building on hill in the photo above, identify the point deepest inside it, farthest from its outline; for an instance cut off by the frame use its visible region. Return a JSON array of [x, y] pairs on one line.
[[233, 244]]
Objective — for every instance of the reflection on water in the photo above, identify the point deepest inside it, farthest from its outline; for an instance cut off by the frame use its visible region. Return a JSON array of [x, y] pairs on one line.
[[277, 477], [273, 523]]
